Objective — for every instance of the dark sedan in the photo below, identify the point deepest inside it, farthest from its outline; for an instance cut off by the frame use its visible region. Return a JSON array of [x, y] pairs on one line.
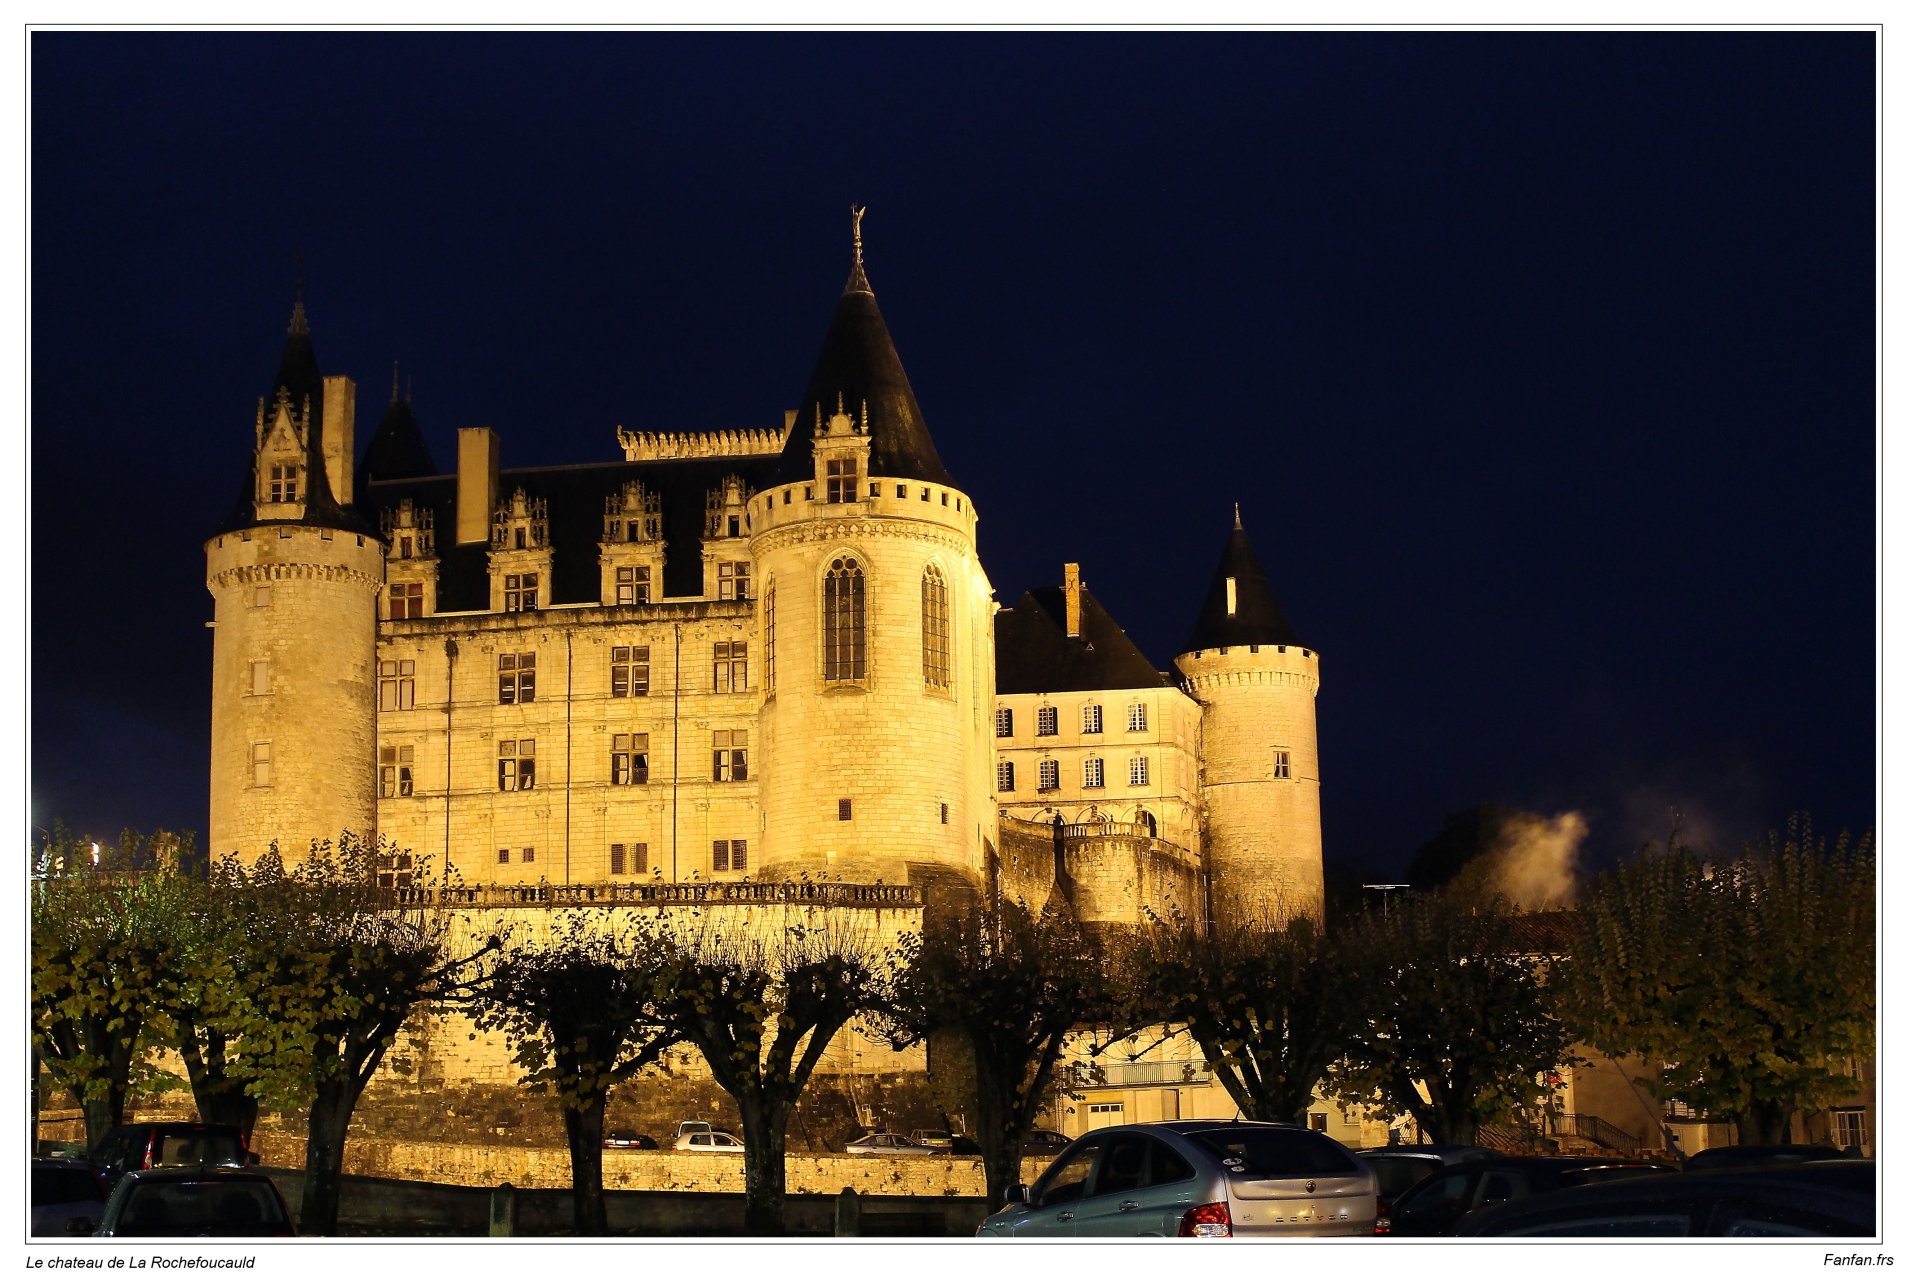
[[1817, 1199], [1433, 1206], [1398, 1168]]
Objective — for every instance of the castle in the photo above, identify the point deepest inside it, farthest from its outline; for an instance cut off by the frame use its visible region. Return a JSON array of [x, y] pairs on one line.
[[726, 660]]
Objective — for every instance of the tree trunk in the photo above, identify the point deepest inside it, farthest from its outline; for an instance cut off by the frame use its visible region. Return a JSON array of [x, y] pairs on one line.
[[1765, 1124], [218, 1097], [103, 1114], [585, 1130], [1001, 1136], [326, 1145], [763, 1127]]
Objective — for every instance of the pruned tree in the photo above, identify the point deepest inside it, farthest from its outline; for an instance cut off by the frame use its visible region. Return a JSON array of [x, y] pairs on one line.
[[1269, 1003], [761, 1005], [581, 1014], [1744, 981], [1457, 1026], [1012, 984], [100, 945], [330, 967]]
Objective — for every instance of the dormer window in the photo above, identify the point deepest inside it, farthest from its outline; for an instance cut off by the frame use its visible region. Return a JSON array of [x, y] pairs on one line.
[[842, 479], [282, 483]]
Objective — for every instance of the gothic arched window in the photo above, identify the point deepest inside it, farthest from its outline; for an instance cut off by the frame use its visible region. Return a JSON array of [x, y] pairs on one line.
[[935, 660], [844, 612]]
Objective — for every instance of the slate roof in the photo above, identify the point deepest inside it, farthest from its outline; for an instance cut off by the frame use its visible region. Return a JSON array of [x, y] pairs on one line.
[[1257, 617], [397, 451], [576, 507], [1034, 654], [858, 363]]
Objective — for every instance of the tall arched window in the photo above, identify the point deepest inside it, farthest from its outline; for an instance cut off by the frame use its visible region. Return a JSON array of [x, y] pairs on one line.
[[844, 611], [935, 658], [766, 604]]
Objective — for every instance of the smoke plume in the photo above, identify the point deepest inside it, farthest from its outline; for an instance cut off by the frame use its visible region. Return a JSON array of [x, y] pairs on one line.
[[1532, 861]]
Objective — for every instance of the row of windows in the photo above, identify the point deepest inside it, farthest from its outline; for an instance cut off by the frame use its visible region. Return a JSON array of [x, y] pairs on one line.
[[1093, 773], [625, 859], [630, 671], [843, 485], [1046, 720]]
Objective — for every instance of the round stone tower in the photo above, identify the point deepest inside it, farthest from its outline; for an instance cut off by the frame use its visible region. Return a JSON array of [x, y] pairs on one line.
[[876, 627], [294, 574], [1259, 751]]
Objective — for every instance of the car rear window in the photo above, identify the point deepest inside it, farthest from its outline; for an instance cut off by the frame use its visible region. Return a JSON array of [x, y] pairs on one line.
[[1275, 1153], [1397, 1173], [211, 1147], [64, 1186], [1607, 1173], [223, 1208]]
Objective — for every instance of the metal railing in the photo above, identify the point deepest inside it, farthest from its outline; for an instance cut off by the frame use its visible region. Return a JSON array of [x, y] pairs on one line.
[[651, 894], [1593, 1129], [1097, 1075]]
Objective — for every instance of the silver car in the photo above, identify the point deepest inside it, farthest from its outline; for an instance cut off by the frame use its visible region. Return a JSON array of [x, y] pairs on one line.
[[1202, 1178], [888, 1144]]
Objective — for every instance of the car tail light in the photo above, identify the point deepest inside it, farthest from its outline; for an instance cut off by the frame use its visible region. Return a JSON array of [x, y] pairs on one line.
[[1207, 1221], [1382, 1223]]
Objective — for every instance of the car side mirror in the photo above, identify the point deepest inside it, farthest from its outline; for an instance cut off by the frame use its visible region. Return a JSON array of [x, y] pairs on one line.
[[1018, 1194]]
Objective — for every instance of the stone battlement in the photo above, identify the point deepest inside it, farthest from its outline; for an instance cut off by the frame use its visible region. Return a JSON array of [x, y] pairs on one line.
[[660, 446]]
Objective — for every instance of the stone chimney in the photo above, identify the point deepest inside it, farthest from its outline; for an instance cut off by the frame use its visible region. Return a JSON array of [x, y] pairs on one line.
[[478, 485], [1073, 601], [336, 435]]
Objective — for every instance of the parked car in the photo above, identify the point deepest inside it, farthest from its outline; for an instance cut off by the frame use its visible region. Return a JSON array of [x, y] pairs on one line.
[[1398, 1168], [68, 1197], [195, 1202], [888, 1144], [1200, 1178], [1746, 1157], [964, 1146], [691, 1126], [152, 1146], [628, 1140], [938, 1139], [1044, 1142], [1433, 1205], [712, 1142], [1808, 1198]]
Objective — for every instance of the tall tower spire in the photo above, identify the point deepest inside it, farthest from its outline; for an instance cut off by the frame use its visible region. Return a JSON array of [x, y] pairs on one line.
[[297, 326]]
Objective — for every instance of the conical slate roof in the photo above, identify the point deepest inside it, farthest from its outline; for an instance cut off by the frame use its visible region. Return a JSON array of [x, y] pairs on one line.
[[1034, 654], [1257, 617], [398, 450], [857, 366]]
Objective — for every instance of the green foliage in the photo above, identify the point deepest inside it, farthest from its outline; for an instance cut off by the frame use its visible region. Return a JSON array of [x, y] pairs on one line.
[[1457, 1027], [1744, 980], [1270, 1004]]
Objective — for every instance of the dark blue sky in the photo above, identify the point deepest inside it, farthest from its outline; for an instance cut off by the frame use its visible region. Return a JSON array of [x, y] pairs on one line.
[[1542, 365]]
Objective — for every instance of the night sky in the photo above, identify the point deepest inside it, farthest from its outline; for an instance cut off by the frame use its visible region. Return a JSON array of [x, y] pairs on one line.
[[1541, 365]]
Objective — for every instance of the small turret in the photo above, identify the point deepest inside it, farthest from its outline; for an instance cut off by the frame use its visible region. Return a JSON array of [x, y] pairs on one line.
[[1259, 743]]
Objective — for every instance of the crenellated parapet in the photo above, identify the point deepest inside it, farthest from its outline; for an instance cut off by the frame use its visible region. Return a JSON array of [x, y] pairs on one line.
[[662, 446]]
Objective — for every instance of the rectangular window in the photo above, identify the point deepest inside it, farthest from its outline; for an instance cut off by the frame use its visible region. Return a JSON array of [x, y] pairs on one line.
[[1283, 764], [1049, 775], [846, 811], [899, 491], [943, 813], [393, 870], [1137, 772], [522, 592], [1095, 772], [506, 855], [1317, 1121], [396, 771], [258, 679], [729, 855], [1090, 719], [406, 599], [629, 759], [1046, 721], [263, 764], [631, 667], [730, 755], [1850, 1128], [1003, 722], [280, 483], [526, 855], [730, 666], [841, 481], [734, 579], [1004, 773], [516, 678], [396, 684], [628, 859], [263, 597], [1137, 718], [631, 584], [516, 764]]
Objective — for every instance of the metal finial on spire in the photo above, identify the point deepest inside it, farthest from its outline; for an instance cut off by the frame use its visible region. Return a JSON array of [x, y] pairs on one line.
[[859, 212], [857, 278], [1236, 515], [298, 324]]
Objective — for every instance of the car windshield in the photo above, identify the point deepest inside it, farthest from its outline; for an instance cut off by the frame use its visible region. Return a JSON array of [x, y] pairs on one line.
[[185, 1208], [1274, 1153], [210, 1147]]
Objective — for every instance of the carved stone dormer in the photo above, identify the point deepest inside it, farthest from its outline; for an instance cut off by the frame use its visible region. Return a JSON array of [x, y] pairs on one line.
[[726, 571], [633, 556], [841, 445], [520, 560], [280, 457], [413, 569]]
